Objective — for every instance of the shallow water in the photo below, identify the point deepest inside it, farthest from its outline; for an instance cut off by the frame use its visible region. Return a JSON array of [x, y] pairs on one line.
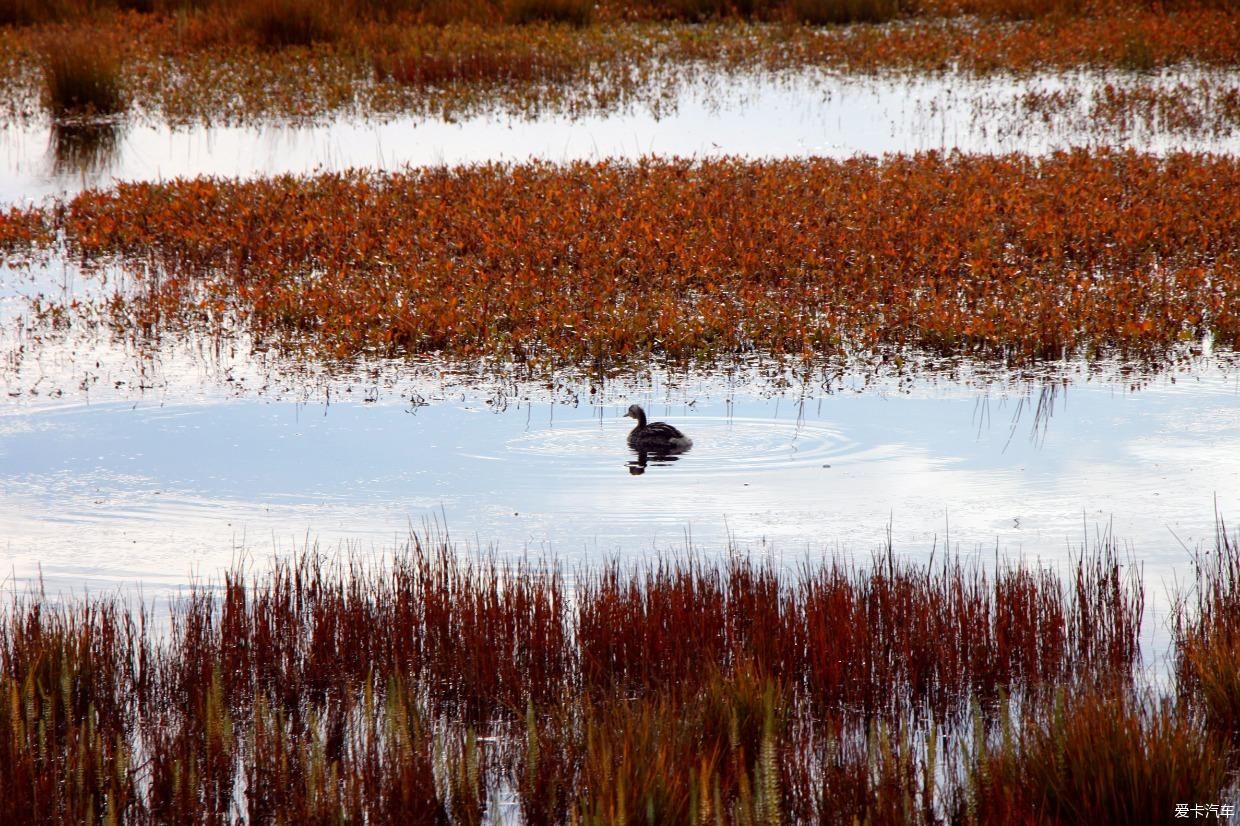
[[155, 488], [766, 115]]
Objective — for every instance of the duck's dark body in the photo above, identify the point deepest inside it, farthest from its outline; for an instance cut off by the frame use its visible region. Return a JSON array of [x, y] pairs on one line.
[[656, 437]]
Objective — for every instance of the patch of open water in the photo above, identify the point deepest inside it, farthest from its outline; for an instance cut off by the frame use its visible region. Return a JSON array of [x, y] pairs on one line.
[[130, 487], [759, 115]]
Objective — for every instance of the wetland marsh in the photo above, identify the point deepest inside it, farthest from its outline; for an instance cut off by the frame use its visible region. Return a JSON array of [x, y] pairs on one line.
[[316, 337]]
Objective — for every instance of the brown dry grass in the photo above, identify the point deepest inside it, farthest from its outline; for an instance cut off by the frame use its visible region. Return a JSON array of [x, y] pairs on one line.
[[82, 78], [293, 12], [210, 67]]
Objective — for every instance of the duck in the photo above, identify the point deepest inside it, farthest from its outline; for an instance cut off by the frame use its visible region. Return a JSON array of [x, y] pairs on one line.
[[659, 438]]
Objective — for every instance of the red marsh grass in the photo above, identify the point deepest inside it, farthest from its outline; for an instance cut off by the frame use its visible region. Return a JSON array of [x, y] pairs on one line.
[[322, 690], [1206, 625], [1009, 258], [881, 641], [1097, 755]]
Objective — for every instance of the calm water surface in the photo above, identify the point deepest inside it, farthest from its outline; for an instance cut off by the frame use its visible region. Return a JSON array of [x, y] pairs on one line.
[[122, 486]]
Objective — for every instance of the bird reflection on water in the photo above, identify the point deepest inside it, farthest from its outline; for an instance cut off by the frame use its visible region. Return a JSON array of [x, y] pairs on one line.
[[638, 466]]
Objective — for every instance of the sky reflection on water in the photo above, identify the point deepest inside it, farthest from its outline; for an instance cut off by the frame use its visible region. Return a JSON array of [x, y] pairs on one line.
[[150, 490]]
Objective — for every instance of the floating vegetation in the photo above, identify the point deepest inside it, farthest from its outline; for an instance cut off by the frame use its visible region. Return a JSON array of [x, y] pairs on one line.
[[1010, 259], [685, 688], [1114, 110]]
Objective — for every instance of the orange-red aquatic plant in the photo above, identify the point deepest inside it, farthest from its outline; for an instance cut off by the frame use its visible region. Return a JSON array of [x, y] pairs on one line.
[[1011, 257]]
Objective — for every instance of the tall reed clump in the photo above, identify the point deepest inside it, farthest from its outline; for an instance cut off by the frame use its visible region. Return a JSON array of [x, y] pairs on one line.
[[277, 24], [677, 757], [1206, 626], [82, 79], [71, 684], [823, 12], [1095, 755], [573, 12]]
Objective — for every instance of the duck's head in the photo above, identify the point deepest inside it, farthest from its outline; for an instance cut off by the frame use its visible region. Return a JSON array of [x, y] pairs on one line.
[[636, 412]]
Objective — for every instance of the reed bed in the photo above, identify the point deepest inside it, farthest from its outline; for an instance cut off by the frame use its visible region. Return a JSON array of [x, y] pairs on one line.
[[890, 641], [683, 691], [281, 23], [471, 66], [830, 11], [1011, 258]]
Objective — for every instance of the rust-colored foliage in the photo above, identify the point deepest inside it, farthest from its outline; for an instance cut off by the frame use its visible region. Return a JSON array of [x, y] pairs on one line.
[[612, 263], [1201, 108], [24, 12], [22, 229]]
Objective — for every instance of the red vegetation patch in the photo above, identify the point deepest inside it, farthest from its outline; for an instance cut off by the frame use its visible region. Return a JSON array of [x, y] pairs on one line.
[[333, 692], [23, 229], [1009, 257]]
